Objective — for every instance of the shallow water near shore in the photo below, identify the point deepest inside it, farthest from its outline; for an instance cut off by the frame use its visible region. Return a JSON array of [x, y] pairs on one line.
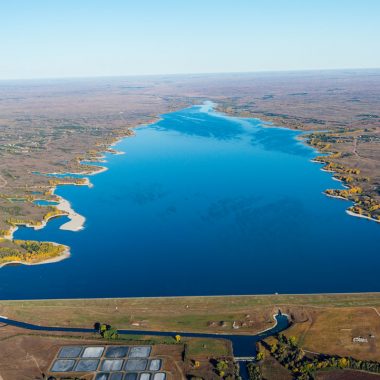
[[203, 204]]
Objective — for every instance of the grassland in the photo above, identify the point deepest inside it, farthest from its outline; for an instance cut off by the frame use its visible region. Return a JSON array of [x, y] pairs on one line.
[[321, 323]]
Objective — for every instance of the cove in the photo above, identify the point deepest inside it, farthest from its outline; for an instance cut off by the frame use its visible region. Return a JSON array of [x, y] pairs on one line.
[[204, 204]]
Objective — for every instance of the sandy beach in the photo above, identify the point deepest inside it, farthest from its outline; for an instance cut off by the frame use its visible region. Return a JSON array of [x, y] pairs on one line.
[[9, 236], [349, 212], [336, 197], [76, 222], [100, 170]]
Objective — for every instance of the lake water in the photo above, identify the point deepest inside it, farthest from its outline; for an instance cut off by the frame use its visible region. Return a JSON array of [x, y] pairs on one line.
[[203, 204]]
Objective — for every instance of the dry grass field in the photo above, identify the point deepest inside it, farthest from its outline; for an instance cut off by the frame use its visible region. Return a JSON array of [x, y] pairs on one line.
[[331, 332], [321, 323]]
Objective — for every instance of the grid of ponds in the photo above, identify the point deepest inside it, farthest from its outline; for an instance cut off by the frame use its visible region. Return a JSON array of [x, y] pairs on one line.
[[110, 362]]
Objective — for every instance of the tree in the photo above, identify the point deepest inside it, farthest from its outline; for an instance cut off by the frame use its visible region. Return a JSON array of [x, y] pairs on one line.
[[111, 334], [177, 338], [103, 328], [254, 371], [343, 362], [221, 366], [293, 341], [106, 331]]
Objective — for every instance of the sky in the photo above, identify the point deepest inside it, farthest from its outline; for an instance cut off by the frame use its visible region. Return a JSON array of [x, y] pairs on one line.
[[86, 38]]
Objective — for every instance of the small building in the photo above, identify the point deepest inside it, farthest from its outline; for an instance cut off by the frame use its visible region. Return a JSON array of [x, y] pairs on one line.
[[360, 339]]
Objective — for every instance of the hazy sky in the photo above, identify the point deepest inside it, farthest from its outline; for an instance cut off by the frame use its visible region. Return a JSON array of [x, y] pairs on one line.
[[66, 38]]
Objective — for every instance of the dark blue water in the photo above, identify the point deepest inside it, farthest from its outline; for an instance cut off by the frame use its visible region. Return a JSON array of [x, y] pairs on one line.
[[202, 204]]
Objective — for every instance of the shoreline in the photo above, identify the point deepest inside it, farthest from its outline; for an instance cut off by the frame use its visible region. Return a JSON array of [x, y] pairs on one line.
[[333, 177], [343, 183], [349, 212], [63, 256], [76, 222], [9, 236], [305, 140], [43, 224], [100, 169], [336, 197], [191, 297]]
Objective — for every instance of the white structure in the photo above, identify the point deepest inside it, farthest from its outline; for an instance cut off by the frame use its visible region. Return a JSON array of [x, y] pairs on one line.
[[360, 339]]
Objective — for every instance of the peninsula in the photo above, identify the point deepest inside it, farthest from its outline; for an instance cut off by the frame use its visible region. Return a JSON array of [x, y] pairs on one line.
[[31, 252]]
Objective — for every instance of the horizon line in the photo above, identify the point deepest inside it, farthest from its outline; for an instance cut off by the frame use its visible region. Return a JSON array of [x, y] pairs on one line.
[[53, 78]]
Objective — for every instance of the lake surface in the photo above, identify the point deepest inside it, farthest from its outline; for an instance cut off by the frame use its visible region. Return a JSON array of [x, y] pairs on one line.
[[204, 204]]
